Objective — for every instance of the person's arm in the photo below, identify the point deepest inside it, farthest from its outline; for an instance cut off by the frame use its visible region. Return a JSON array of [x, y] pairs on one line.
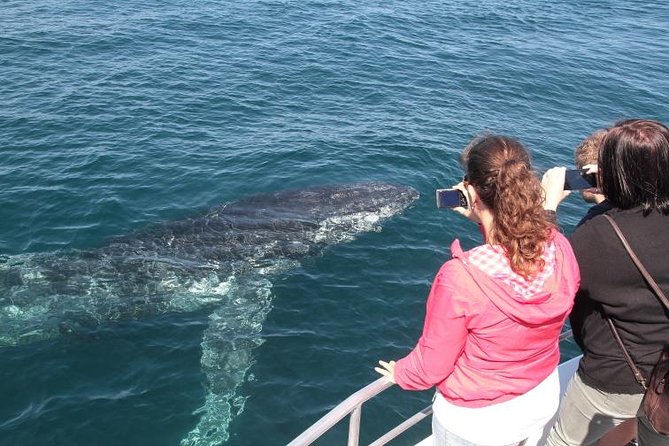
[[468, 211], [553, 185], [588, 252], [583, 307], [440, 345], [621, 435]]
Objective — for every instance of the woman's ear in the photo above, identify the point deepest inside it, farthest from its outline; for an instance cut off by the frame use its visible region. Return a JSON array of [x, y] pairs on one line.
[[472, 196]]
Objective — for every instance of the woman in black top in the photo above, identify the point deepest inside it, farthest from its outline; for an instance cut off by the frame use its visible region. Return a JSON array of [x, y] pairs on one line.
[[634, 177]]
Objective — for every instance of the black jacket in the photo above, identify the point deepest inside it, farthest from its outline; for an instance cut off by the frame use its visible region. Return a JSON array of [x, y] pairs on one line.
[[596, 210], [611, 283]]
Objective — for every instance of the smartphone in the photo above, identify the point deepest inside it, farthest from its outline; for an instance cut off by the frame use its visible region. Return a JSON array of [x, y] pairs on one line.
[[579, 179], [451, 198]]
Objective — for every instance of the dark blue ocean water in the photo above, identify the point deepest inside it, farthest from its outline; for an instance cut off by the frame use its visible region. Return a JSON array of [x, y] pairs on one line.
[[117, 115]]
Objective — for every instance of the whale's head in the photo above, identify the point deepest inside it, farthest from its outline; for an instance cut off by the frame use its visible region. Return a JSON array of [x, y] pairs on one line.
[[369, 199], [334, 213], [349, 210]]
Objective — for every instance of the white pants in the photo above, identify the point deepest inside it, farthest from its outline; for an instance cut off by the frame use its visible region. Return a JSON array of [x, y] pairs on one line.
[[521, 418]]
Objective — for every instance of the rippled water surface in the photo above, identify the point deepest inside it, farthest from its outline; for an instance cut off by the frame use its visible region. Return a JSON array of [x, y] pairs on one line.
[[116, 116]]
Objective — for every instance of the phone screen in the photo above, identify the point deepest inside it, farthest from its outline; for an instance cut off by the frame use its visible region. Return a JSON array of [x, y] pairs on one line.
[[579, 179], [450, 198]]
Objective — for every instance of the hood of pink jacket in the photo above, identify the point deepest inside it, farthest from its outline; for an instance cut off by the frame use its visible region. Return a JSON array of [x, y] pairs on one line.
[[545, 306]]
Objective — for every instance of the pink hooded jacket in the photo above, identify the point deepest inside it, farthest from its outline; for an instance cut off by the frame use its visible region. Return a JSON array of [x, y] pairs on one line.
[[482, 343]]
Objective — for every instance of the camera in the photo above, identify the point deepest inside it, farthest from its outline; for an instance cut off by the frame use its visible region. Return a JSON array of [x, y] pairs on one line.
[[451, 198], [579, 179]]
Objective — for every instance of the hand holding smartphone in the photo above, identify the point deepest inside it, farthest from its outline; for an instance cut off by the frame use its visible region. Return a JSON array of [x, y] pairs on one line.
[[579, 179], [451, 198]]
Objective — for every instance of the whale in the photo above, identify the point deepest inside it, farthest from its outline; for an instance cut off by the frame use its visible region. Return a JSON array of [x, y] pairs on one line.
[[221, 260]]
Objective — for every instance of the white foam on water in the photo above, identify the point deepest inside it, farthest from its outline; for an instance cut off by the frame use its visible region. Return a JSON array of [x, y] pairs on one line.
[[344, 228], [212, 285], [204, 292]]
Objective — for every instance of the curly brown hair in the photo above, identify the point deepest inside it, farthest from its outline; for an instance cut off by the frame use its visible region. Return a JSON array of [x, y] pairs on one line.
[[587, 151], [500, 170]]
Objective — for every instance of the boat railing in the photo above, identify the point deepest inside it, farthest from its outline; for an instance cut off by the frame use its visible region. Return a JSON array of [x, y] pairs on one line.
[[352, 407]]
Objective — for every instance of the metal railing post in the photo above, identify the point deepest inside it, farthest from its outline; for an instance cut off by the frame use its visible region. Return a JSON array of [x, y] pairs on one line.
[[340, 411], [354, 427]]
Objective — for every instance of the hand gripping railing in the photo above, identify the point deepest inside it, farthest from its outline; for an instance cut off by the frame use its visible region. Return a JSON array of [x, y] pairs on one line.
[[353, 406]]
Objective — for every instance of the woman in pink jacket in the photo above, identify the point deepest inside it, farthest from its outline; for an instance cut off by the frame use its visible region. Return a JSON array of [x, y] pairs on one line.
[[495, 312]]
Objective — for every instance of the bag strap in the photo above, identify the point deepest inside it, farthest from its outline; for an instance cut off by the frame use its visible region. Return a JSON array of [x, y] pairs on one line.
[[653, 285], [637, 373]]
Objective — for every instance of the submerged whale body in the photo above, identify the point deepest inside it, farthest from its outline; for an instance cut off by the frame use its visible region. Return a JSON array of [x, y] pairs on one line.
[[222, 259]]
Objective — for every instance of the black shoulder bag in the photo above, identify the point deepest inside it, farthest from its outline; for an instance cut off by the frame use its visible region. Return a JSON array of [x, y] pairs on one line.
[[655, 402]]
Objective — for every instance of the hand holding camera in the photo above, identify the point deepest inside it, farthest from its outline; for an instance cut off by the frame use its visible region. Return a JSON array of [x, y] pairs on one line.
[[557, 183], [576, 179], [451, 198], [459, 199]]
